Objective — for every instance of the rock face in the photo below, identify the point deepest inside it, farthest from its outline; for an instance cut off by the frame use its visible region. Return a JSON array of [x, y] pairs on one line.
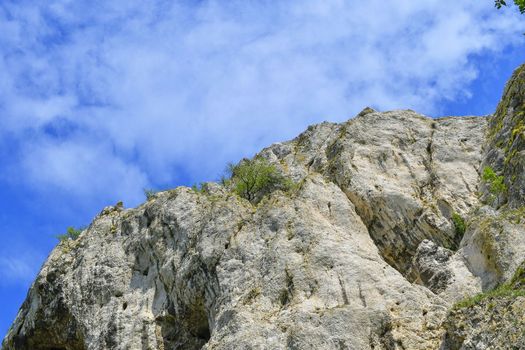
[[492, 321], [362, 253], [494, 243], [505, 149]]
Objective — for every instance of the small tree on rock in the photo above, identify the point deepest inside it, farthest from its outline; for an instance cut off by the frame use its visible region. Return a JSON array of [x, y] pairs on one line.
[[71, 234], [253, 178]]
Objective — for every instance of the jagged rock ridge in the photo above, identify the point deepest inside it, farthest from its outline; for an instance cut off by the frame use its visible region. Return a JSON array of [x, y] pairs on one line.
[[362, 254]]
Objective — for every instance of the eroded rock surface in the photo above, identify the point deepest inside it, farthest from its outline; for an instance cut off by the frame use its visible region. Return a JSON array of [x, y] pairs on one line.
[[494, 244], [492, 321], [361, 254]]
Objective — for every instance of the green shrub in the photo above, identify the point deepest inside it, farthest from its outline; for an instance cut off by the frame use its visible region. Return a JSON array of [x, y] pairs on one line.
[[459, 224], [200, 188], [149, 193], [252, 179], [495, 182], [71, 234]]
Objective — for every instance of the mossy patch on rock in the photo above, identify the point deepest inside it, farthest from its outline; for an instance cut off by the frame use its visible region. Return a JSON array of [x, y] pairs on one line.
[[506, 142]]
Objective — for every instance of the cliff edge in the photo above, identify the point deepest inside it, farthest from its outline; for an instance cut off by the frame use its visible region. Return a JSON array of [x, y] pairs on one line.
[[399, 232]]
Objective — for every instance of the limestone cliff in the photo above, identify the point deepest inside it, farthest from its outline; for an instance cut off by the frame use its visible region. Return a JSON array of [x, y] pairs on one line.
[[495, 238], [365, 252]]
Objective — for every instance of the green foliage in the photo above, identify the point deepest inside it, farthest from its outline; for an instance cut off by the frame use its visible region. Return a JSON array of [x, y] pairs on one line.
[[495, 182], [520, 3], [200, 188], [512, 289], [71, 234], [252, 179], [459, 224], [505, 290], [149, 193], [518, 280], [226, 181], [515, 216]]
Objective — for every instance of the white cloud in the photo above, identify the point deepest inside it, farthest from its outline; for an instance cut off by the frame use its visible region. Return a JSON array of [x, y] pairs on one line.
[[83, 168], [19, 268], [140, 91]]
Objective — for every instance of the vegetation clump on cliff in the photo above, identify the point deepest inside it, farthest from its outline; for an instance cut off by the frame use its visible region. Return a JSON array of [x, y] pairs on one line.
[[514, 288], [459, 224], [71, 234], [252, 179], [495, 183]]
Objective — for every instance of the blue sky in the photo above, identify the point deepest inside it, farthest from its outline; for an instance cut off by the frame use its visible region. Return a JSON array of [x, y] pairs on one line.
[[100, 99]]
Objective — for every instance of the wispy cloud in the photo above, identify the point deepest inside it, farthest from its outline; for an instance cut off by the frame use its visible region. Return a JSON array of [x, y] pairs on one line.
[[19, 268], [116, 96]]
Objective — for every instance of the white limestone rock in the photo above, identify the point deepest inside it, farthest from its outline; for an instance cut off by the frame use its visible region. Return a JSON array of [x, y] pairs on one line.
[[333, 264]]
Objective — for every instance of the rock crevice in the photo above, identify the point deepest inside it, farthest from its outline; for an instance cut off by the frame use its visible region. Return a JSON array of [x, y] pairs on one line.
[[361, 253]]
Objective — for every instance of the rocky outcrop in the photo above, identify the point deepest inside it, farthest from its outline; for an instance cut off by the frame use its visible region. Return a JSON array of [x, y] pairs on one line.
[[407, 178], [363, 252], [505, 148], [489, 321], [494, 244]]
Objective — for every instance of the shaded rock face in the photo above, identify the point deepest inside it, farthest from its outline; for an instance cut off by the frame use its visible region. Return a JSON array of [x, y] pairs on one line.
[[431, 265], [361, 254], [407, 178], [505, 149], [494, 243]]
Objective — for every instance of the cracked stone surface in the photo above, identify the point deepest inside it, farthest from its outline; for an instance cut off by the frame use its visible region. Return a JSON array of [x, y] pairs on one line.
[[324, 267], [494, 243], [361, 254]]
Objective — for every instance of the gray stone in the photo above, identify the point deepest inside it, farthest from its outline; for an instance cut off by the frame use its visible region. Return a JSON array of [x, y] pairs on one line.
[[361, 253]]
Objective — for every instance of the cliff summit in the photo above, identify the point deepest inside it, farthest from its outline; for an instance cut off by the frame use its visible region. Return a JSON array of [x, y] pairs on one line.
[[393, 231]]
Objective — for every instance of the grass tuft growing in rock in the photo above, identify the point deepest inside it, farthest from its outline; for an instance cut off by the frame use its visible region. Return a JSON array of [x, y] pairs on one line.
[[200, 188], [459, 224], [495, 182], [513, 289], [149, 193]]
